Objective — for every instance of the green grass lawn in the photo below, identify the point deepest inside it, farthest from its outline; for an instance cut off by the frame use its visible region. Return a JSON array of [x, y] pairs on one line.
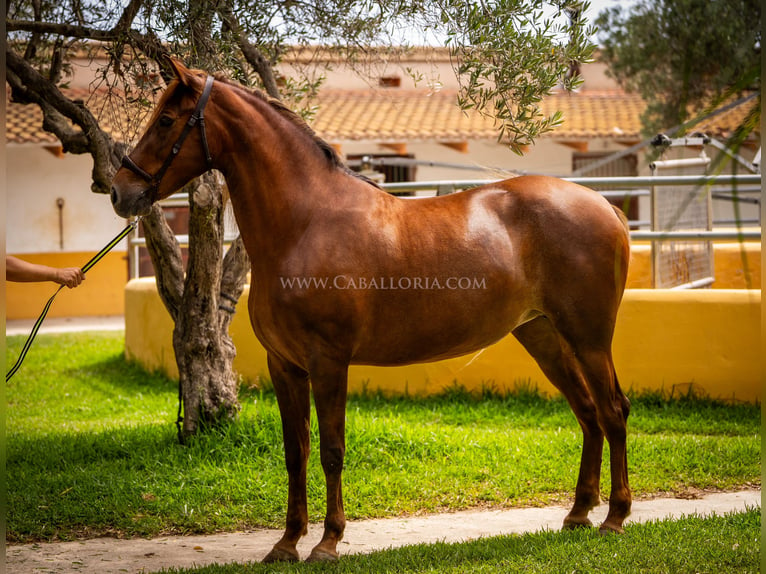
[[92, 450]]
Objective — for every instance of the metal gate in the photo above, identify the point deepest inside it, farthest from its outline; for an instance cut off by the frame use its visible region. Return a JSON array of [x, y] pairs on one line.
[[682, 264]]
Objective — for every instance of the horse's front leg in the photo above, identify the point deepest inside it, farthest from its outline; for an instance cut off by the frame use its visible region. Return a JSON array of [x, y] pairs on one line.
[[329, 383], [291, 385]]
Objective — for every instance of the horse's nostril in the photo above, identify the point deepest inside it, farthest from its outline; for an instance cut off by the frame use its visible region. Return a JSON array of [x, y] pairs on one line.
[[113, 195]]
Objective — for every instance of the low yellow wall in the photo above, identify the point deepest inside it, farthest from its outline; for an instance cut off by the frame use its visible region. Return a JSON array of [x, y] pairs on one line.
[[735, 266], [665, 340], [102, 292]]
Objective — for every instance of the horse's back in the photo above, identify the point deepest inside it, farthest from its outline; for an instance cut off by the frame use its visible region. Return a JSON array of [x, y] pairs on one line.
[[549, 210], [556, 198]]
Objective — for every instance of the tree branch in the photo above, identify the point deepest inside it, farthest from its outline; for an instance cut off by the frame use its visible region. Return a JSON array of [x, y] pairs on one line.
[[32, 87], [236, 264], [165, 253], [76, 31], [252, 54], [150, 44], [128, 15], [70, 30]]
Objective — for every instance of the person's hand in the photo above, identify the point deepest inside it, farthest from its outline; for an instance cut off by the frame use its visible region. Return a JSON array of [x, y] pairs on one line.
[[69, 276]]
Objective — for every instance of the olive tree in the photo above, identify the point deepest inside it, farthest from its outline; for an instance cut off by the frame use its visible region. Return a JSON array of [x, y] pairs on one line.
[[683, 55], [508, 55]]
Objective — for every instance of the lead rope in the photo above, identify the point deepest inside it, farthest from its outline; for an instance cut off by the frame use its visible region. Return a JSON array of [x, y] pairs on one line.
[[180, 418], [131, 226]]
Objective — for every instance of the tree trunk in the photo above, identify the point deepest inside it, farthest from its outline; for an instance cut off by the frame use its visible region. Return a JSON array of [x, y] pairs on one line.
[[201, 305]]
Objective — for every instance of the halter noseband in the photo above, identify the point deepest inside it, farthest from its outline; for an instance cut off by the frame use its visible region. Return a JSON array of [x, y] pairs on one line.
[[197, 117]]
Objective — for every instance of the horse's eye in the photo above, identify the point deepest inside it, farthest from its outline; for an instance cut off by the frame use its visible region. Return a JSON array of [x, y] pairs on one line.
[[166, 121]]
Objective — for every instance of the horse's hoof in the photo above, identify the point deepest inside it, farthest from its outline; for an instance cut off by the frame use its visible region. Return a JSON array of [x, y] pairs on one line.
[[576, 523], [321, 555], [281, 555], [606, 528]]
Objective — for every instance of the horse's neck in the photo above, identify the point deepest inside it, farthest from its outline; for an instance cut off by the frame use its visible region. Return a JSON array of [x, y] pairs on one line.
[[278, 179]]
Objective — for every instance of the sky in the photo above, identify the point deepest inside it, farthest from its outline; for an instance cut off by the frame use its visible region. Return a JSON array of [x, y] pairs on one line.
[[596, 7]]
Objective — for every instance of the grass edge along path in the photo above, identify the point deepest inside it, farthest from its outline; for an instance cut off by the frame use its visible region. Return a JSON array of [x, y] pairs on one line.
[[713, 544], [109, 555]]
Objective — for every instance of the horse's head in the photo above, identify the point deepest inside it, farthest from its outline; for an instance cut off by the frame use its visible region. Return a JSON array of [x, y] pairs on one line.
[[172, 151]]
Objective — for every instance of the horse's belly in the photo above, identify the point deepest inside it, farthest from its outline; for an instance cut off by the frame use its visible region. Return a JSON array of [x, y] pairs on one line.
[[418, 353], [414, 343]]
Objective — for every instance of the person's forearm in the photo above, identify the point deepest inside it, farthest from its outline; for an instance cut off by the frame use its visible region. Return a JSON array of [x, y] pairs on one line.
[[23, 271], [20, 270]]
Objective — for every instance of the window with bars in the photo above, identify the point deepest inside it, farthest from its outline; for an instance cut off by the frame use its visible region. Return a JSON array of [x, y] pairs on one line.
[[393, 173]]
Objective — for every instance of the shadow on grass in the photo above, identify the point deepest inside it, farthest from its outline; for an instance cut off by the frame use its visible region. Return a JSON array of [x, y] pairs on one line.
[[139, 481], [117, 372]]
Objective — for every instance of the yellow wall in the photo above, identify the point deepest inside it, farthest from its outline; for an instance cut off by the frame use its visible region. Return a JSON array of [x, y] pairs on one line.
[[735, 265], [664, 340], [102, 292]]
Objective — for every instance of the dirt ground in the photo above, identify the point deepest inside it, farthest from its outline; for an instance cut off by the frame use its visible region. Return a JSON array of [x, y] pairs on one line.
[[109, 555]]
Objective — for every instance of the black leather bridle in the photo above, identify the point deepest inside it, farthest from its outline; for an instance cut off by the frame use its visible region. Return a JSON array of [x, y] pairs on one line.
[[197, 118]]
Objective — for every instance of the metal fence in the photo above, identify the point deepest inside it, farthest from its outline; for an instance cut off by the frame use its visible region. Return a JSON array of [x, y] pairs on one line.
[[741, 187]]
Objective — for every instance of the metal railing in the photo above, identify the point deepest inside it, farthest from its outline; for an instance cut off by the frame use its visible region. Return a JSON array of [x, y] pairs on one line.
[[607, 186], [622, 182]]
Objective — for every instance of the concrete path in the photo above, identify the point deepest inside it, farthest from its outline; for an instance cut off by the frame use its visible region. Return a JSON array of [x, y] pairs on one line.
[[66, 325], [109, 555]]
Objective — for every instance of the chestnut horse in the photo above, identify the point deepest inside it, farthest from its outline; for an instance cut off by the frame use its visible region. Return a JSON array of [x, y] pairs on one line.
[[344, 273]]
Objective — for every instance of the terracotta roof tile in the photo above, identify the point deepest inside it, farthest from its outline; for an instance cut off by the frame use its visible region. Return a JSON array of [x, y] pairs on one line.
[[394, 115], [724, 124], [23, 123]]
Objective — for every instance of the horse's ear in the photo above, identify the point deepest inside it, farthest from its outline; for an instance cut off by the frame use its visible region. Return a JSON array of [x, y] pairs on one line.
[[182, 72]]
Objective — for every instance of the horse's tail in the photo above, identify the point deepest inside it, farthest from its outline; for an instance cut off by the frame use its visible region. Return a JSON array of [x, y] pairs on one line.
[[622, 253], [622, 396], [623, 218]]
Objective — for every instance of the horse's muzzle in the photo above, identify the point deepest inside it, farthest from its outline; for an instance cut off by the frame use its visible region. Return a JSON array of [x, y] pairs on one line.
[[130, 204]]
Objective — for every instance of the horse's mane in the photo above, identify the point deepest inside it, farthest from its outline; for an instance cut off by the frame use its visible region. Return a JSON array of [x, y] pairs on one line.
[[329, 152]]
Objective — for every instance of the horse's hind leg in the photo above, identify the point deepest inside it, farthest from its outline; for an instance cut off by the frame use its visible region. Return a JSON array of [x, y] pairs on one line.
[[557, 361], [613, 409], [587, 328], [291, 385]]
